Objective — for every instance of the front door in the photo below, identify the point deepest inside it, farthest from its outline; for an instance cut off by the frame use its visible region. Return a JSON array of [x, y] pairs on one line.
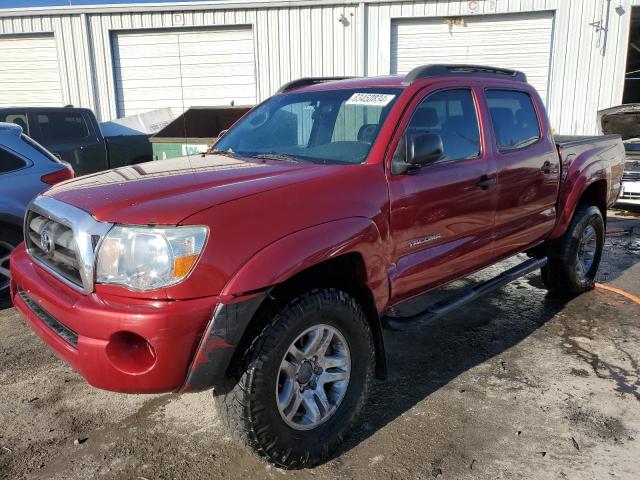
[[442, 216]]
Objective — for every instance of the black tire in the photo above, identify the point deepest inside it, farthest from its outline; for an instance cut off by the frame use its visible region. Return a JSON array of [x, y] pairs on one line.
[[249, 408], [560, 275], [9, 239]]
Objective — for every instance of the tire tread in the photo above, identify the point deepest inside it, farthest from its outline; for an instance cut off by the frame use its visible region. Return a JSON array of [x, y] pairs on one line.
[[237, 407]]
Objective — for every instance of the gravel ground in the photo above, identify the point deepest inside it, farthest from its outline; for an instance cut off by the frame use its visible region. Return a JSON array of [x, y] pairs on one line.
[[518, 385]]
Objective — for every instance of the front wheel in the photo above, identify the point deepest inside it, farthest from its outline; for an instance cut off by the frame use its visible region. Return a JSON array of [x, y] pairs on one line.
[[304, 381], [575, 258]]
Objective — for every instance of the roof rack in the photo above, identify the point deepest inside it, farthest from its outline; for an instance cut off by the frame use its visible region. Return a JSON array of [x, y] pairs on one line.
[[428, 71], [303, 82]]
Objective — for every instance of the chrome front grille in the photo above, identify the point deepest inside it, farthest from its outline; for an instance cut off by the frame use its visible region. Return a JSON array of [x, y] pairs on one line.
[[63, 239], [53, 244]]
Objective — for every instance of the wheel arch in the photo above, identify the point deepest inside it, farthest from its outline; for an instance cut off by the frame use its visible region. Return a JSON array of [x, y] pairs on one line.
[[344, 254], [11, 222], [583, 193], [595, 194], [345, 272]]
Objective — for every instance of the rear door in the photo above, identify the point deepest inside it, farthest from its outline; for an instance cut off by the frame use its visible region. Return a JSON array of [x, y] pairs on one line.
[[528, 169], [70, 135], [442, 216]]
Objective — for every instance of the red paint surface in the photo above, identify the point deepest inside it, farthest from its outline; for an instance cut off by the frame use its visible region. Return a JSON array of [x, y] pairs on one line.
[[269, 220], [172, 328]]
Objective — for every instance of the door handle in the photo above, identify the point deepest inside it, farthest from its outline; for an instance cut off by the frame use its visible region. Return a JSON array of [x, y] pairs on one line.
[[485, 182], [547, 167], [84, 148]]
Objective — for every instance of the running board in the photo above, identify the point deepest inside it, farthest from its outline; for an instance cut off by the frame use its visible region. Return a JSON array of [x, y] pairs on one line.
[[442, 308]]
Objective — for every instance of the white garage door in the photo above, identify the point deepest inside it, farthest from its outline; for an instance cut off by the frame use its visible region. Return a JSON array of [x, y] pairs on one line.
[[191, 68], [29, 74], [521, 42]]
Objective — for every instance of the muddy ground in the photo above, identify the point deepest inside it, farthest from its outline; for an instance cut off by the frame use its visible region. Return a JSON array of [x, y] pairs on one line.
[[516, 386]]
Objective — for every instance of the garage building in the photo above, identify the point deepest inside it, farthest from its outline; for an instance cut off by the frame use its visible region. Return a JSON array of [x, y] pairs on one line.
[[125, 59]]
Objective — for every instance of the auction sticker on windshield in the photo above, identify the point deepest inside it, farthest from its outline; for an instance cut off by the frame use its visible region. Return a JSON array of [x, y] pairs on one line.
[[373, 99]]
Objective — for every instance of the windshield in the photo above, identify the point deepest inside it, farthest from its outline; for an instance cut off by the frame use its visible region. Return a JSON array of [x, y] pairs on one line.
[[335, 126]]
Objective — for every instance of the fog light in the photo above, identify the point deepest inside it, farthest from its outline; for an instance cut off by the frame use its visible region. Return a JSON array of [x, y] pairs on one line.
[[130, 353]]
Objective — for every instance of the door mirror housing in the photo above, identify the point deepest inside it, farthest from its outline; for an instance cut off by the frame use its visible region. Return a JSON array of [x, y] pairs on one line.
[[423, 148]]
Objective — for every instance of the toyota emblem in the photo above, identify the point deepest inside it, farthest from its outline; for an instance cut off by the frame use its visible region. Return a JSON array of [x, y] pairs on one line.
[[46, 242]]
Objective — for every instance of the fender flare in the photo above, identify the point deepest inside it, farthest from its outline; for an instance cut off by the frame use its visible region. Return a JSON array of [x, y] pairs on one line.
[[251, 284], [308, 247], [576, 182]]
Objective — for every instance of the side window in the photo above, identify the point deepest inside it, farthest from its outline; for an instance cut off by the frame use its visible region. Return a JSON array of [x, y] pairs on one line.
[[452, 115], [514, 118], [9, 162], [19, 118], [61, 127]]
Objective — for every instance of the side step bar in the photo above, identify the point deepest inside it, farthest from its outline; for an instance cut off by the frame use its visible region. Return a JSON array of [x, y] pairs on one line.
[[442, 308]]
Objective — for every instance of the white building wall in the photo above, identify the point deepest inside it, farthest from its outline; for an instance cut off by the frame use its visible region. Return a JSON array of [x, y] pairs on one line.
[[587, 67]]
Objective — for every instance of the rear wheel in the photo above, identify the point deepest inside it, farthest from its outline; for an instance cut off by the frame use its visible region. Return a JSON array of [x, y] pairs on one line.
[[9, 240], [304, 380], [575, 258]]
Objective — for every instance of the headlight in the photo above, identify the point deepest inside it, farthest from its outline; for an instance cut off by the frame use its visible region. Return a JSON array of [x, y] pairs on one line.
[[146, 258]]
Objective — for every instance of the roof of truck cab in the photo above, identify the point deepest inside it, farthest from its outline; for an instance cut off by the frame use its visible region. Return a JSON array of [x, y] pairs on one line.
[[392, 81], [42, 109]]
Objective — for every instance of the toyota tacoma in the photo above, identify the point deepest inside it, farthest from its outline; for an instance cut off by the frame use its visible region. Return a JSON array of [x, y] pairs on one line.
[[267, 269]]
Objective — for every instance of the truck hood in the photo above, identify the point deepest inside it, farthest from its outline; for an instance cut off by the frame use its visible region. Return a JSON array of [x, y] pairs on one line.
[[168, 191], [622, 120]]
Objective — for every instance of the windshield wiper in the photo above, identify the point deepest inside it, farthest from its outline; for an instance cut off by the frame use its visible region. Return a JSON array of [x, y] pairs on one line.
[[276, 156], [224, 153]]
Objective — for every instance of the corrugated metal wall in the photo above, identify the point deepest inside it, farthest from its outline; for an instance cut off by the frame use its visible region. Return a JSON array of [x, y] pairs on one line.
[[587, 67]]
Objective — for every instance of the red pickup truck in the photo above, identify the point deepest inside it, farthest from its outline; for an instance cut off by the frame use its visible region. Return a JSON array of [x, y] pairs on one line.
[[268, 268]]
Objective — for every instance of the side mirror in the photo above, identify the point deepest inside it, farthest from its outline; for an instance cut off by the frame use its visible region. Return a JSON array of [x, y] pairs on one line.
[[423, 148]]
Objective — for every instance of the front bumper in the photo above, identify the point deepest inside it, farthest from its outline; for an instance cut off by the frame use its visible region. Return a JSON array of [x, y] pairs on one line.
[[120, 344]]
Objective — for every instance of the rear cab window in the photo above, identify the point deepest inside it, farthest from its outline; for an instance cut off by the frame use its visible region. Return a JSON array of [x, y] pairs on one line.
[[17, 118], [514, 118], [61, 127]]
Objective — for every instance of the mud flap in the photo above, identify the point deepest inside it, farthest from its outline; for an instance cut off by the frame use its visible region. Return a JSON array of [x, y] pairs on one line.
[[218, 344]]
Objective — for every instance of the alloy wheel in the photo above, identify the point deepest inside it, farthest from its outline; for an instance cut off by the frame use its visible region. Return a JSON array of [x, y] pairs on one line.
[[313, 377], [587, 249]]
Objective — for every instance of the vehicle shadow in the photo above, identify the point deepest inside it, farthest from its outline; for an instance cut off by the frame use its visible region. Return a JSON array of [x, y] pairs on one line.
[[423, 360]]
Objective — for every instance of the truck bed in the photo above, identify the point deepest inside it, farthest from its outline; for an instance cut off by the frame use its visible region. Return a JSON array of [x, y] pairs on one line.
[[578, 154], [565, 141]]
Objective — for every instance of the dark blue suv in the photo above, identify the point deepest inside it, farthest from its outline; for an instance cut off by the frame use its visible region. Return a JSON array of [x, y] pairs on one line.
[[26, 169]]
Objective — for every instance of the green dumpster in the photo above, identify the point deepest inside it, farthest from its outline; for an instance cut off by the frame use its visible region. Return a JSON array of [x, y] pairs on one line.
[[194, 131]]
